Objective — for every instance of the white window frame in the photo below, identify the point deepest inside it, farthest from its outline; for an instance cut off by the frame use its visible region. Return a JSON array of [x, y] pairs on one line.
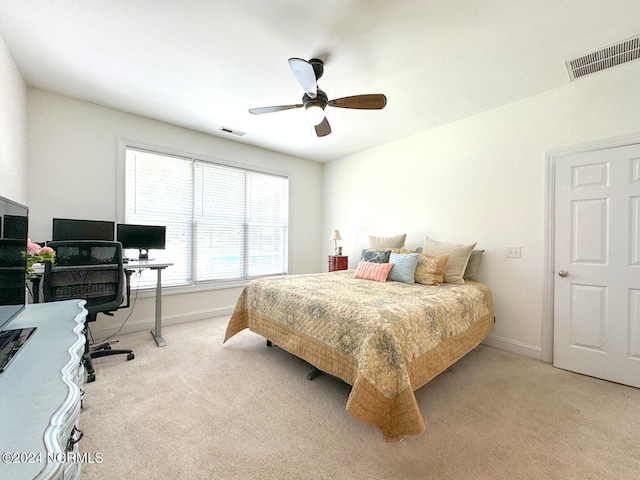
[[124, 144]]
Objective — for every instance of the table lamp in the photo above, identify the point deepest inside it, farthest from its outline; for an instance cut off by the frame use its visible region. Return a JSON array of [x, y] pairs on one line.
[[335, 236]]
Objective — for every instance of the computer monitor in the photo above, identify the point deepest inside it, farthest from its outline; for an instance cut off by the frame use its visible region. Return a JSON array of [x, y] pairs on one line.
[[15, 226], [141, 237], [72, 229]]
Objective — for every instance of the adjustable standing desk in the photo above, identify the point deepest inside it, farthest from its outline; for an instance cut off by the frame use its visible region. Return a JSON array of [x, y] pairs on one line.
[[132, 265], [129, 267]]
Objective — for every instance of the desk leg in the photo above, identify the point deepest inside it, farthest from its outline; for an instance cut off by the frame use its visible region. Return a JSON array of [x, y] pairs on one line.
[[35, 286], [157, 333]]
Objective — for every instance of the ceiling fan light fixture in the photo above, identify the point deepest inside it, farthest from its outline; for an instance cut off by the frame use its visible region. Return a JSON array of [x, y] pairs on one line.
[[314, 112], [315, 100]]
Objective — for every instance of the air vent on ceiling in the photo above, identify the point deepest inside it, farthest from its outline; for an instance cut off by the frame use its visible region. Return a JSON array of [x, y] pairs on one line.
[[604, 58], [232, 132]]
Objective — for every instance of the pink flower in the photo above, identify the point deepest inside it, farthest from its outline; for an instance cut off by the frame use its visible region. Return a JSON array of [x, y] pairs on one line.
[[33, 248], [37, 254]]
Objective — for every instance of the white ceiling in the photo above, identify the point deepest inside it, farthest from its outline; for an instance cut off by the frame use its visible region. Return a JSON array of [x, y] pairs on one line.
[[202, 64]]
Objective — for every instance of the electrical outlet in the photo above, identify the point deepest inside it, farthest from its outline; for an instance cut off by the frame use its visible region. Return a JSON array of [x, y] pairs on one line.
[[513, 252]]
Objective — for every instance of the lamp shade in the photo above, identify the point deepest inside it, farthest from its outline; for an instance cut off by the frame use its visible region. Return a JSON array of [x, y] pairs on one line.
[[335, 235]]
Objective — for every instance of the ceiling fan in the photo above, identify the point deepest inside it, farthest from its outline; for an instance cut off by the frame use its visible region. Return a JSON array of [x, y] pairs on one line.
[[315, 100]]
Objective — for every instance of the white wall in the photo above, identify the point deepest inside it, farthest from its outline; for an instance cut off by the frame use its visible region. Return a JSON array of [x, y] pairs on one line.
[[481, 180], [13, 140], [72, 167]]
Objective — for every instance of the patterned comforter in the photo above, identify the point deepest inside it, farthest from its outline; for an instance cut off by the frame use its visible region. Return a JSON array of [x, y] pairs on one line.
[[385, 339]]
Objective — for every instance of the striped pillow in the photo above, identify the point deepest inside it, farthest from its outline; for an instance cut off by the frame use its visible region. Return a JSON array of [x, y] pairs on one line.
[[373, 271]]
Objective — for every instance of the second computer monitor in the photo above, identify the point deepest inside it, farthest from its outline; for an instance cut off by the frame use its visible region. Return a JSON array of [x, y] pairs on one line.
[[141, 237], [72, 229]]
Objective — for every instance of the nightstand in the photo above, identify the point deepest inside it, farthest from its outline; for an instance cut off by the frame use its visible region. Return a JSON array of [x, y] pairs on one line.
[[338, 262]]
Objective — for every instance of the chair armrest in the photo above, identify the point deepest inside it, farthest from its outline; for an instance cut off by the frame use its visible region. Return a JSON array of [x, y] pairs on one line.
[[127, 274]]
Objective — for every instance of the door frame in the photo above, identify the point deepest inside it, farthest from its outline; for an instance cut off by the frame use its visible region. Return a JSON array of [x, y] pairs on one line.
[[551, 158]]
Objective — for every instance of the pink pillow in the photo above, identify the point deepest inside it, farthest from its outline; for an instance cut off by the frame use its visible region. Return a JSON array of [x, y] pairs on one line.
[[373, 271]]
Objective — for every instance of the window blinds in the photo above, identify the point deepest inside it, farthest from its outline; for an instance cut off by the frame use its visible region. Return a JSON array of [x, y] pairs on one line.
[[159, 191], [219, 222], [223, 223], [241, 221], [267, 218]]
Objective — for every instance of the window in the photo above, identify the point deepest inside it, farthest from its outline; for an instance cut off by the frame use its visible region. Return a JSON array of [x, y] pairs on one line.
[[224, 223]]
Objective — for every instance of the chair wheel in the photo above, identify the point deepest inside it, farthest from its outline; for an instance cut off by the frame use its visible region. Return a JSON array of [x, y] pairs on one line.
[[130, 356], [107, 347], [91, 377]]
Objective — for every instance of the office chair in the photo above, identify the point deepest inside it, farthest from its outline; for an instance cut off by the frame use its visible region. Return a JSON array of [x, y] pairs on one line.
[[89, 270]]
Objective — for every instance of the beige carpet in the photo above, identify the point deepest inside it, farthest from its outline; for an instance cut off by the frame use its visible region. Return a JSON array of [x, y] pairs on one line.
[[197, 409]]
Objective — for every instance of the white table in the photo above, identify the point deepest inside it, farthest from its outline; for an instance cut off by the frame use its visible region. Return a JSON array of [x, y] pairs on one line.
[[130, 266]]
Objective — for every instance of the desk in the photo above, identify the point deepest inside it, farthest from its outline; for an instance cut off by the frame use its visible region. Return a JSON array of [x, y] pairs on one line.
[[158, 267], [129, 267]]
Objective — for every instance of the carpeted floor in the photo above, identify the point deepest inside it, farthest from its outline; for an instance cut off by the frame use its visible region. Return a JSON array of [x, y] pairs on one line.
[[197, 409]]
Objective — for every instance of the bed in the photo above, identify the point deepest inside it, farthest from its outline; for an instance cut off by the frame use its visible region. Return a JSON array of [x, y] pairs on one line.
[[385, 339]]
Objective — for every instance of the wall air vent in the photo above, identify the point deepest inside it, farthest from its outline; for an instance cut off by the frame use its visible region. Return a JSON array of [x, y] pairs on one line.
[[604, 58], [232, 132]]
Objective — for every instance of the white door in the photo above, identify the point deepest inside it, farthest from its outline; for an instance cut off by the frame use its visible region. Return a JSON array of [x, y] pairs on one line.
[[597, 264]]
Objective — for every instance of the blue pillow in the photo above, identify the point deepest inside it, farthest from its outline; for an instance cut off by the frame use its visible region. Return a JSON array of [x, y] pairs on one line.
[[375, 256], [404, 267]]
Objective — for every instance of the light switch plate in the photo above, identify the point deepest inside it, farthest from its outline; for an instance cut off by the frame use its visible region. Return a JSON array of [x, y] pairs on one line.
[[513, 251]]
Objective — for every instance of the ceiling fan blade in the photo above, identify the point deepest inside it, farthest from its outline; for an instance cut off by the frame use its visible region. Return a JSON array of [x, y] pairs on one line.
[[323, 128], [304, 73], [277, 108], [373, 101]]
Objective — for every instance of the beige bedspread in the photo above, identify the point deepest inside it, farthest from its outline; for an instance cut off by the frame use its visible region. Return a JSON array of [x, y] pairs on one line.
[[385, 339]]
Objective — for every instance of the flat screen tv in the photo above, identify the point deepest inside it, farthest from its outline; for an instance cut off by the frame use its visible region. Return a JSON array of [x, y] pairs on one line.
[[141, 237], [73, 229], [14, 224]]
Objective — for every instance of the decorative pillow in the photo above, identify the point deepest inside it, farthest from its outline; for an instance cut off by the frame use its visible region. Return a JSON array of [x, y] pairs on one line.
[[473, 266], [387, 242], [404, 267], [392, 250], [430, 269], [375, 256], [373, 271], [458, 258]]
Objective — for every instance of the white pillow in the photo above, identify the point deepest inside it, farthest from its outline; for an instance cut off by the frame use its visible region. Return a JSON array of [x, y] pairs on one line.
[[458, 258], [387, 242]]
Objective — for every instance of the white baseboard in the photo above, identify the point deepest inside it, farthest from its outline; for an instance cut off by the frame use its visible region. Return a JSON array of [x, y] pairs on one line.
[[141, 325], [514, 346]]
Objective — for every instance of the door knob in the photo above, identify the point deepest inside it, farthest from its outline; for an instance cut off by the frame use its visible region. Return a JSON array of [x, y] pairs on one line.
[[563, 273]]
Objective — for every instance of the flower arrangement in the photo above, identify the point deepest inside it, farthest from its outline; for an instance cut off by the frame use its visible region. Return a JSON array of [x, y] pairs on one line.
[[37, 254]]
